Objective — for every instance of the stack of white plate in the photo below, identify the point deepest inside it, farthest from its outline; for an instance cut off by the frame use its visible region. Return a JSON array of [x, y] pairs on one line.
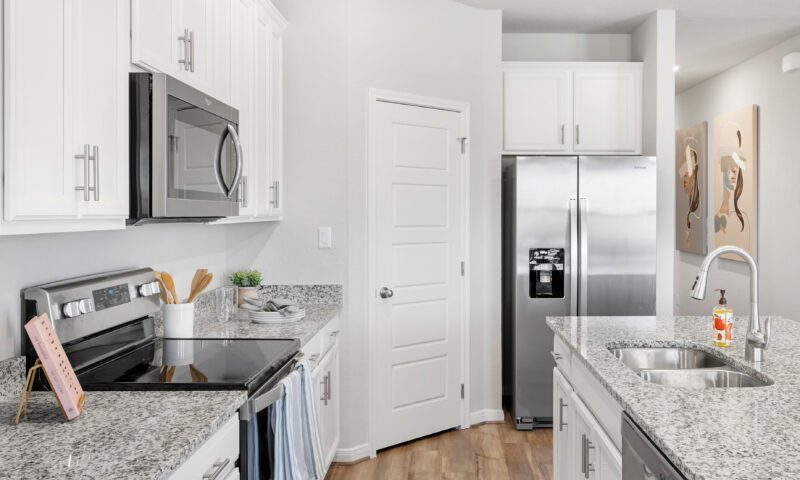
[[276, 317]]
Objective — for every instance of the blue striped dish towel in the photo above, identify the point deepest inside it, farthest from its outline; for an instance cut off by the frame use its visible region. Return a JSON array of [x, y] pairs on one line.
[[298, 447]]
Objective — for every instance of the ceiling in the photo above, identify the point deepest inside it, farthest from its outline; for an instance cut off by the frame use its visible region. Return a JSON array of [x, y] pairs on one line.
[[712, 35]]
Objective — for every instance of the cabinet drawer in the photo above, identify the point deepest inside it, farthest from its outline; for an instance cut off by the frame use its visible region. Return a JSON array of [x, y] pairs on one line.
[[562, 356], [329, 335], [312, 351], [218, 454]]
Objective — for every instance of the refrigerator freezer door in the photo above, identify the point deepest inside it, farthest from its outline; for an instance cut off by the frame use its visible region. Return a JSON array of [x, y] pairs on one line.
[[546, 188], [618, 233]]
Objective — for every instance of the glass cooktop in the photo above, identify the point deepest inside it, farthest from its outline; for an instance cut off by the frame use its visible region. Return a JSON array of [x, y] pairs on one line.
[[192, 364]]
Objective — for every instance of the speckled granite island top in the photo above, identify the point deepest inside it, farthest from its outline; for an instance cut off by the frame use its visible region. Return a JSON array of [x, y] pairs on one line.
[[121, 435], [717, 433]]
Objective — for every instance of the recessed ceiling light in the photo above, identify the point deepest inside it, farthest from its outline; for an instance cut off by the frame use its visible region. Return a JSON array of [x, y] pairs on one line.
[[676, 68]]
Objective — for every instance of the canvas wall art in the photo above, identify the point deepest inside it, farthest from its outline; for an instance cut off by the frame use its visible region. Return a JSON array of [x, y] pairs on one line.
[[691, 150], [736, 180]]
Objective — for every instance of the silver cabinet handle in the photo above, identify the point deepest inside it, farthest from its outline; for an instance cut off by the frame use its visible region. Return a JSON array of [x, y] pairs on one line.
[[562, 134], [324, 395], [276, 186], [96, 173], [191, 51], [243, 191], [386, 292], [574, 273], [185, 39], [589, 465], [219, 467], [85, 187], [556, 356], [583, 455], [334, 333], [561, 422], [328, 387], [577, 134], [313, 358]]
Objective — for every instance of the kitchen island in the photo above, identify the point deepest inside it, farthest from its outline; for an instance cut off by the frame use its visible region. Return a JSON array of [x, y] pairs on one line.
[[714, 433]]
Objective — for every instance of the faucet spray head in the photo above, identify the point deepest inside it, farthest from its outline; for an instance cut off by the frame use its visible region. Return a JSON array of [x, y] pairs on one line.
[[699, 287]]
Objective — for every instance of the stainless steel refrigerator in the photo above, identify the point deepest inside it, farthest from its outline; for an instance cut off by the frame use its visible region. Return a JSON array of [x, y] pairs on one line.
[[579, 238]]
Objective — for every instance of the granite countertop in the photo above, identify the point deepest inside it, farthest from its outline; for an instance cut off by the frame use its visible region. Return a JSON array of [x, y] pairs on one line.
[[321, 302], [717, 433], [121, 435]]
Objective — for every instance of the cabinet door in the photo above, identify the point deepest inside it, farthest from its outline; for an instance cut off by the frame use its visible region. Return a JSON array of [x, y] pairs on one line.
[[261, 117], [536, 110], [276, 118], [609, 459], [38, 152], [582, 443], [329, 418], [100, 105], [222, 51], [562, 427], [608, 110], [197, 16], [242, 25], [154, 36]]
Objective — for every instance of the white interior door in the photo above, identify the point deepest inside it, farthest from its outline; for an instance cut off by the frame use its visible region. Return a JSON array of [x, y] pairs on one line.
[[419, 235]]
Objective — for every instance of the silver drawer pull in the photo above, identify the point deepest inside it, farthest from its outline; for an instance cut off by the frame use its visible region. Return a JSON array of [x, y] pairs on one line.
[[335, 333], [556, 356], [561, 422], [219, 467], [313, 358]]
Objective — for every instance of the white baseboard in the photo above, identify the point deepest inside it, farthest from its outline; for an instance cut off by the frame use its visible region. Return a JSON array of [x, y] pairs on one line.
[[352, 454], [486, 415]]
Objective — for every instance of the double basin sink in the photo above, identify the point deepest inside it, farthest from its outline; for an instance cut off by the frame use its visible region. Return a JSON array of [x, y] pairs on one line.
[[684, 367]]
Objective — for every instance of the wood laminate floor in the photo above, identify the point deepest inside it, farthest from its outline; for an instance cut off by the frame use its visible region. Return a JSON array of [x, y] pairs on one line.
[[492, 451]]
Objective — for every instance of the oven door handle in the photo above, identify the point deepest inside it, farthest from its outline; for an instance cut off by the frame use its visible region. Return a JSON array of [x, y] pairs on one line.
[[259, 403], [237, 176]]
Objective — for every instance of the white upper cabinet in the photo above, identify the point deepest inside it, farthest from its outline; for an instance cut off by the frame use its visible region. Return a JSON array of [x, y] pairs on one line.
[[243, 40], [608, 110], [572, 108], [536, 112], [65, 85], [176, 37]]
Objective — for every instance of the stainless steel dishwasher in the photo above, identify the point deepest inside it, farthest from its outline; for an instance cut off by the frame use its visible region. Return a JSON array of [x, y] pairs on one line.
[[641, 459]]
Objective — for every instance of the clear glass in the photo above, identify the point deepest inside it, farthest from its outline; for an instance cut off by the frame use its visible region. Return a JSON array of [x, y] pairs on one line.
[[226, 303]]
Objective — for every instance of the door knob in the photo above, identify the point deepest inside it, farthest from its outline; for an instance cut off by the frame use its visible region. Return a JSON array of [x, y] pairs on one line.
[[386, 293]]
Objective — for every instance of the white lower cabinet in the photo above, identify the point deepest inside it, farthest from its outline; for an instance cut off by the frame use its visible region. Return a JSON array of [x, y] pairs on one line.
[[216, 458], [322, 353], [582, 449]]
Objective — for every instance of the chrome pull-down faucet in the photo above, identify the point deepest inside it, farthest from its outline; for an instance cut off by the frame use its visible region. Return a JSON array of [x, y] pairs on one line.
[[757, 339]]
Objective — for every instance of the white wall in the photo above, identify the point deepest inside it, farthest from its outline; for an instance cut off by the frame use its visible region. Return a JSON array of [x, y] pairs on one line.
[[653, 43], [442, 49], [34, 259], [756, 81], [567, 47]]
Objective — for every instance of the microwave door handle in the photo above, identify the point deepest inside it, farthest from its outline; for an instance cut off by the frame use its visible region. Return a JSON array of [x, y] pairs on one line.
[[237, 177], [218, 163]]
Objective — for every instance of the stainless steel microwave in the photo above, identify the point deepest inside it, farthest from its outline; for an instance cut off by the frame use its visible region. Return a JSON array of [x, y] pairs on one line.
[[185, 155]]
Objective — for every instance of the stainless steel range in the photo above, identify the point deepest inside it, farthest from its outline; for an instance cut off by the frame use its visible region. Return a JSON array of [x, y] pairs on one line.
[[106, 324]]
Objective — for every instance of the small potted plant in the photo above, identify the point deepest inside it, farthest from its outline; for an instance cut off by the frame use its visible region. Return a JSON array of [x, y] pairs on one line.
[[248, 282]]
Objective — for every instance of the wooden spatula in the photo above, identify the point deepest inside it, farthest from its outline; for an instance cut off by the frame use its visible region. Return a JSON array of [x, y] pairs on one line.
[[198, 277], [170, 283], [164, 293], [200, 287]]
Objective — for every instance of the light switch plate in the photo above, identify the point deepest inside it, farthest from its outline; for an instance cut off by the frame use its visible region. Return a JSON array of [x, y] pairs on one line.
[[325, 237]]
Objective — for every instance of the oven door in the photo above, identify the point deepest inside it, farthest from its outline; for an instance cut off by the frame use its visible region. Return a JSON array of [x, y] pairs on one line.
[[641, 459], [198, 172]]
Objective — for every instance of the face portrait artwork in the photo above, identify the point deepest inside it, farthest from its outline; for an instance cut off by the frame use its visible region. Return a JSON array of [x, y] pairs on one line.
[[691, 145], [735, 179]]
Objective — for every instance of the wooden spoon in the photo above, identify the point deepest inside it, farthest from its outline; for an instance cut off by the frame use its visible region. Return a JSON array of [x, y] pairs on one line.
[[164, 292], [200, 287], [198, 277], [167, 278]]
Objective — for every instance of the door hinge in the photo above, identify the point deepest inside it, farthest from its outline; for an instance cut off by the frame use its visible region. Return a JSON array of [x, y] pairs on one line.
[[462, 391], [463, 141], [463, 268]]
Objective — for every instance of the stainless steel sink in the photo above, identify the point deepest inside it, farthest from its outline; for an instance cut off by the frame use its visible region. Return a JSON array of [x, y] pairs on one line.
[[684, 367], [666, 358], [702, 378]]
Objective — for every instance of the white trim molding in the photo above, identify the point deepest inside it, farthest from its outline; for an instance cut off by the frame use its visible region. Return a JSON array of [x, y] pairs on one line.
[[378, 95], [487, 415], [353, 454]]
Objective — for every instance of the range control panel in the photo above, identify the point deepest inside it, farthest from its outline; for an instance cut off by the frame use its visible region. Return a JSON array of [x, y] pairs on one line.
[[111, 296]]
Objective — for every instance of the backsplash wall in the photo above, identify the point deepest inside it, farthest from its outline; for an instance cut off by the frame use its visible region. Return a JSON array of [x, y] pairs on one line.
[[28, 260]]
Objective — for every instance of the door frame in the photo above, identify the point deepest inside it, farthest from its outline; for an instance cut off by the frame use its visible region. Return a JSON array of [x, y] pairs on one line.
[[462, 108]]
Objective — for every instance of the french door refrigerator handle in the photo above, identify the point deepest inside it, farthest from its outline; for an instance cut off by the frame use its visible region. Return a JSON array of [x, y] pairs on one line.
[[584, 257], [573, 256]]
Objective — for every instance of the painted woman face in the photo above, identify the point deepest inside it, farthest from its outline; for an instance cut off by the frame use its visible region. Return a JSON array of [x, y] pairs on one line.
[[731, 177]]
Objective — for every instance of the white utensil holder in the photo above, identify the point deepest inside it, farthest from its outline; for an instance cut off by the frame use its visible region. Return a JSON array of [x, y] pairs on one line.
[[178, 320]]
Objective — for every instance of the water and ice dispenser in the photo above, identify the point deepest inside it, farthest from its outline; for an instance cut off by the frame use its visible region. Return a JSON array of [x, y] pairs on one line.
[[546, 273]]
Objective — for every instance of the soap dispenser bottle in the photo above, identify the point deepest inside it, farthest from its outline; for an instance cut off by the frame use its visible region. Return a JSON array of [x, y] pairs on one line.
[[723, 322]]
